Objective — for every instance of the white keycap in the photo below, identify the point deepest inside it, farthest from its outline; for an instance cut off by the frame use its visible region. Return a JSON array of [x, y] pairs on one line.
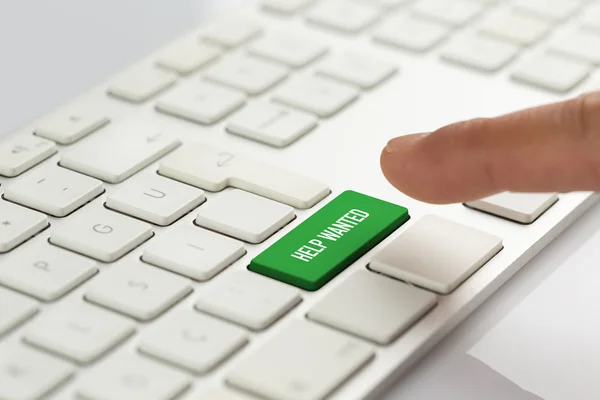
[[245, 216], [231, 33], [54, 190], [361, 69], [69, 125], [155, 199], [517, 27], [223, 393], [141, 84], [591, 18], [285, 6], [193, 252], [321, 96], [17, 224], [272, 123], [213, 168], [551, 72], [101, 234], [436, 254], [451, 12], [79, 331], [373, 307], [120, 151], [203, 102], [246, 73], [45, 271], [581, 45], [480, 52], [308, 360], [410, 33], [248, 299], [187, 56], [14, 309], [192, 340], [520, 207], [138, 290], [293, 50], [551, 10], [20, 153], [132, 377], [28, 374], [341, 15]]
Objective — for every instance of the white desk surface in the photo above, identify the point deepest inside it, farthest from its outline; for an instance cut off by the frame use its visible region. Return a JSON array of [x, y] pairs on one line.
[[44, 63]]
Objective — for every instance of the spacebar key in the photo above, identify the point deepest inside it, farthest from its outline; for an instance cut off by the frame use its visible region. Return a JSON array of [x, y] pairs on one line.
[[330, 240]]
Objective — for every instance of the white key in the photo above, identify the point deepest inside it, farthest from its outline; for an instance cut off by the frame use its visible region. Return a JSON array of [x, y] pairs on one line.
[[223, 393], [272, 124], [214, 169], [552, 72], [79, 332], [580, 45], [20, 153], [591, 18], [361, 69], [345, 16], [292, 50], [551, 10], [245, 216], [138, 290], [321, 96], [193, 252], [17, 224], [373, 307], [248, 299], [132, 377], [285, 6], [14, 309], [54, 190], [480, 52], [231, 33], [27, 374], [203, 102], [141, 84], [308, 360], [185, 57], [101, 234], [519, 207], [192, 340], [410, 33], [437, 254], [246, 73], [517, 27], [155, 199], [119, 152], [69, 125], [44, 271], [451, 12]]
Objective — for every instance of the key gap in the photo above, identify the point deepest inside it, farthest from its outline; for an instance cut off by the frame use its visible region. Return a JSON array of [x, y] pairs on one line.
[[152, 223], [27, 240]]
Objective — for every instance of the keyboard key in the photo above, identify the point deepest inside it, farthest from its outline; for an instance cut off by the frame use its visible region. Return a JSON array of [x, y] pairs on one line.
[[54, 190], [141, 84], [192, 340], [247, 299], [321, 96], [212, 168], [204, 103], [246, 73], [69, 125], [185, 57], [309, 361], [45, 272], [373, 307], [79, 332], [29, 374], [519, 207], [481, 52], [231, 33], [552, 72], [138, 290], [292, 50], [364, 70], [436, 254], [245, 216], [119, 152], [14, 309], [341, 15], [20, 153], [18, 224], [329, 240], [451, 12], [551, 10], [101, 234], [132, 377], [285, 6], [193, 252], [155, 199], [223, 393], [580, 45], [410, 33], [522, 29]]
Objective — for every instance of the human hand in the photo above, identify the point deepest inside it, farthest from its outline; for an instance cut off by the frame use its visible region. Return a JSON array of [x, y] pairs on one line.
[[552, 148]]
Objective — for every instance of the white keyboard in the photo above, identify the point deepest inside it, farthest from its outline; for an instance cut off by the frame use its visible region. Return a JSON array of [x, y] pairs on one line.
[[212, 223]]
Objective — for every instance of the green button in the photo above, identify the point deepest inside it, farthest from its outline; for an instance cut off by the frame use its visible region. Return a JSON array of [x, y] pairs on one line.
[[330, 240]]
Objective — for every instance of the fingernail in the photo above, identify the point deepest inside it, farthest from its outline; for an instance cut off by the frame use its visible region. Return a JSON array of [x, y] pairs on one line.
[[402, 142]]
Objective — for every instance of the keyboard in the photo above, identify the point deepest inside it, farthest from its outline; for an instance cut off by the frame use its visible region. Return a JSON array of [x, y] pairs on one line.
[[211, 222]]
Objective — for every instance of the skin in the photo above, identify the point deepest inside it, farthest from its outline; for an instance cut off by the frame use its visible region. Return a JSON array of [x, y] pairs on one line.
[[552, 148]]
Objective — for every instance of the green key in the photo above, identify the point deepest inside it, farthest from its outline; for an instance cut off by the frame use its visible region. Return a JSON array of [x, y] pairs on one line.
[[330, 240]]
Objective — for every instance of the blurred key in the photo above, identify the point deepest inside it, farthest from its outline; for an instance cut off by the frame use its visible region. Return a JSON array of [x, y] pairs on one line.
[[293, 50], [343, 16], [185, 57], [411, 33], [552, 72], [22, 152], [69, 125], [14, 309], [141, 84]]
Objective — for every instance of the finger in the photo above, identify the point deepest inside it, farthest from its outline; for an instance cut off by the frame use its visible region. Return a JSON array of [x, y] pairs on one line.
[[552, 148]]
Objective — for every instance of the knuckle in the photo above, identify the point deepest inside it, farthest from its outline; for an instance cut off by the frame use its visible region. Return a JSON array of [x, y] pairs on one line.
[[587, 115]]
